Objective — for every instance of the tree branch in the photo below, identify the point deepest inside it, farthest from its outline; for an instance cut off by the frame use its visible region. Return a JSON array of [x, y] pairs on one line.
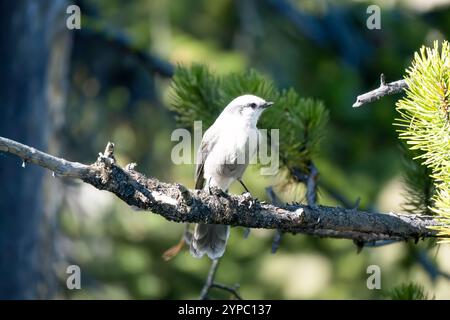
[[383, 90], [176, 203], [311, 185], [431, 268], [210, 283], [209, 279], [120, 41], [278, 233], [336, 194], [28, 154], [310, 180]]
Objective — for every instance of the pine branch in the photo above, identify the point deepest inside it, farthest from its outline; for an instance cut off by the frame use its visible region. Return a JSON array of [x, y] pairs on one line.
[[176, 203], [408, 291], [424, 121], [383, 90]]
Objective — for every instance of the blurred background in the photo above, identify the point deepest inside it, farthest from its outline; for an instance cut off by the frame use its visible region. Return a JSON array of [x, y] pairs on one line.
[[69, 92]]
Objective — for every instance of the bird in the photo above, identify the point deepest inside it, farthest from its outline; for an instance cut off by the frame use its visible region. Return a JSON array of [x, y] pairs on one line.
[[222, 158]]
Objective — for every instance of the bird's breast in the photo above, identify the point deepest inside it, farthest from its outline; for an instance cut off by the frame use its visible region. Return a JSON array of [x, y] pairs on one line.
[[230, 155]]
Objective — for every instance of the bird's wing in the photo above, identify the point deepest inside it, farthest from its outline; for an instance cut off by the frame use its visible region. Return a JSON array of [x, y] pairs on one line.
[[208, 142]]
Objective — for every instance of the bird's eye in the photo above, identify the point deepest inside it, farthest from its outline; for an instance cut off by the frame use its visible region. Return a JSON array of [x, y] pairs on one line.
[[253, 105]]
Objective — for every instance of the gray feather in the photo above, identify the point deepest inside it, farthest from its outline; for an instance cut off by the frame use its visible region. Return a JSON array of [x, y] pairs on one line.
[[207, 144], [209, 239]]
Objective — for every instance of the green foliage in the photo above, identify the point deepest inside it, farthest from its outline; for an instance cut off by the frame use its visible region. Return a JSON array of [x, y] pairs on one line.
[[302, 123], [419, 185], [409, 291], [199, 95], [196, 95], [425, 120], [236, 84]]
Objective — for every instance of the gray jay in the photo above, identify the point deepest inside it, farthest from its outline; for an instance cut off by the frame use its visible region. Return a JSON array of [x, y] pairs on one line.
[[223, 155]]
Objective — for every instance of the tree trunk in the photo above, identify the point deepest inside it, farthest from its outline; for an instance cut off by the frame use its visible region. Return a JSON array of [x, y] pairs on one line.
[[34, 46]]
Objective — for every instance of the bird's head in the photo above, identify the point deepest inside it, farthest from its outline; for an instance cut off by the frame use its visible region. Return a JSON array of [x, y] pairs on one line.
[[247, 107]]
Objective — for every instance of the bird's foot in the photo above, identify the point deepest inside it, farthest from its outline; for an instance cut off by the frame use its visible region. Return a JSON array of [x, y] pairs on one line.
[[217, 192]]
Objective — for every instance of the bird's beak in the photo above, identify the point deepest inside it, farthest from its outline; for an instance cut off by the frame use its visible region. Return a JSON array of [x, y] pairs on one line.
[[267, 104]]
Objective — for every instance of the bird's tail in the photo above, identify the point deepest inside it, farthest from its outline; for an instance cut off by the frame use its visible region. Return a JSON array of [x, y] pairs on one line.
[[210, 239]]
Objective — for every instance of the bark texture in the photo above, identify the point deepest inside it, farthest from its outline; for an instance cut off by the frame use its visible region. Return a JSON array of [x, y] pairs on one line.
[[177, 203]]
